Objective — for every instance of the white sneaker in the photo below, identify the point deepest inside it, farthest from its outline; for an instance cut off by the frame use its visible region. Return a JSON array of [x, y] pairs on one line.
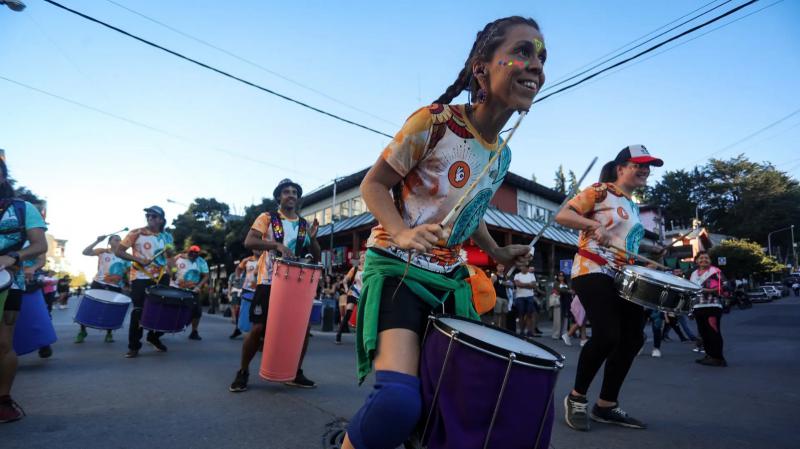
[[656, 353], [567, 340], [583, 342]]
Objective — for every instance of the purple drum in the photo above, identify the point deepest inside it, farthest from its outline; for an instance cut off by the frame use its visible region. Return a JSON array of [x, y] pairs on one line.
[[483, 387], [167, 309]]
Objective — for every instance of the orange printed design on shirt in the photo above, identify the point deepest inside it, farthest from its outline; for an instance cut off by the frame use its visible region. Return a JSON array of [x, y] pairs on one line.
[[621, 212], [458, 174]]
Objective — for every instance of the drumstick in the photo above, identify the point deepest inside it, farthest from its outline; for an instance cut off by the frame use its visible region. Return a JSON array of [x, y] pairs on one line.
[[121, 230], [639, 257], [483, 173], [552, 219]]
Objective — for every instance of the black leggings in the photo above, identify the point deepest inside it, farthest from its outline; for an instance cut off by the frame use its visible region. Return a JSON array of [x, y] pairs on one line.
[[616, 334], [709, 325]]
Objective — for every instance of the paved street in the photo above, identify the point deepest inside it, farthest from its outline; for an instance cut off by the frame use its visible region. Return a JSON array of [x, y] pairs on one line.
[[89, 396]]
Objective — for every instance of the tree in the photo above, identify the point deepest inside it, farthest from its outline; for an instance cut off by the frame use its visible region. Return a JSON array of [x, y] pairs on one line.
[[573, 183], [237, 229], [560, 181], [744, 258], [748, 199], [677, 194], [204, 224]]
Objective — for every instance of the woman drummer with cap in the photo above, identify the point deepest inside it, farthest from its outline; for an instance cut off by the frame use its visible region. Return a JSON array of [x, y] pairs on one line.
[[607, 216]]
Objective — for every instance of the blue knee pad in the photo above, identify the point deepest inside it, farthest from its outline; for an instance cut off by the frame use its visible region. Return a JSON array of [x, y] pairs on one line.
[[390, 413]]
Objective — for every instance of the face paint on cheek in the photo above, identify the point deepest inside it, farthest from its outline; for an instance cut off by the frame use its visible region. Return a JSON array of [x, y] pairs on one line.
[[513, 62]]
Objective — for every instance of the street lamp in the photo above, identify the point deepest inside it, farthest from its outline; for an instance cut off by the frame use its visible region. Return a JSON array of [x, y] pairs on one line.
[[769, 239], [15, 5]]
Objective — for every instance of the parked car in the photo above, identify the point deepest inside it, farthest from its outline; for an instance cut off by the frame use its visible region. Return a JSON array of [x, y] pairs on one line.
[[772, 291], [758, 295], [785, 290]]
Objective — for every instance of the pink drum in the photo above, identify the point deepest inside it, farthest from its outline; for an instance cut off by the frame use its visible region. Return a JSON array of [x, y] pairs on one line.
[[294, 285]]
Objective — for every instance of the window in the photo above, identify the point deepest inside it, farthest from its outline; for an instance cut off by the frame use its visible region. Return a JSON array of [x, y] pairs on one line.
[[326, 218], [318, 216], [309, 218], [357, 206], [524, 209], [343, 209]]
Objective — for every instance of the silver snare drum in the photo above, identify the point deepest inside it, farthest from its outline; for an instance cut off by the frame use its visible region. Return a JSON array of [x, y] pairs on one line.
[[656, 289]]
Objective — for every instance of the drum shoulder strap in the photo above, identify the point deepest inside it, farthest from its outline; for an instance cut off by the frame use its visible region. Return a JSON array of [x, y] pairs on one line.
[[19, 210], [278, 232]]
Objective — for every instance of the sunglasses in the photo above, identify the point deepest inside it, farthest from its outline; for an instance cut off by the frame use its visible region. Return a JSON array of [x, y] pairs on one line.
[[148, 216]]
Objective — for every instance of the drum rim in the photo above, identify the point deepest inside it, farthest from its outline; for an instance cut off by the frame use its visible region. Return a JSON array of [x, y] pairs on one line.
[[148, 291], [94, 298], [686, 289], [298, 263], [5, 285], [660, 308], [492, 350]]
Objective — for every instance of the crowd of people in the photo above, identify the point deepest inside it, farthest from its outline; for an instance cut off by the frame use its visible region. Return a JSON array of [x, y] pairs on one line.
[[418, 192]]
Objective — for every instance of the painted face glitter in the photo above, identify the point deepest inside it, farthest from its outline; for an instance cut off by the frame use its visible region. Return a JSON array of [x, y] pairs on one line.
[[538, 45]]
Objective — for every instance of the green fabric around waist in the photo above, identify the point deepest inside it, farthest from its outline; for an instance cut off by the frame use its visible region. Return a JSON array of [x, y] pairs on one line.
[[376, 269]]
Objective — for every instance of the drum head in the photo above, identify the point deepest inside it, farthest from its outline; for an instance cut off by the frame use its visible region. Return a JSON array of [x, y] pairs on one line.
[[662, 277], [107, 296], [169, 292], [499, 341], [5, 279], [298, 263]]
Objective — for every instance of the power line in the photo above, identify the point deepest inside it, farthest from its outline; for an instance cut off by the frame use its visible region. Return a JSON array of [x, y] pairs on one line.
[[648, 50], [615, 56], [214, 69], [749, 136], [149, 127], [249, 62], [680, 44]]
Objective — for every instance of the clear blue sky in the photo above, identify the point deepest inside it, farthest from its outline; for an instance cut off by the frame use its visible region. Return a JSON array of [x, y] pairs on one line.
[[388, 58]]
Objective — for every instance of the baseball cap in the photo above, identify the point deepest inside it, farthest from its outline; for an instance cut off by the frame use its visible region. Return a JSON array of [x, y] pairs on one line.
[[155, 210], [637, 154], [194, 248]]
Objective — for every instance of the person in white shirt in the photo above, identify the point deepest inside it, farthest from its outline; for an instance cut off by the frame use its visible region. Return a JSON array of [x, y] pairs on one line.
[[524, 301]]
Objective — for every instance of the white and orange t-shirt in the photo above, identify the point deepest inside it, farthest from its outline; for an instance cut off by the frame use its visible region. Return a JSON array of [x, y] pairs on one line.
[[111, 270], [290, 229], [439, 154], [188, 272], [605, 203], [145, 245], [250, 268]]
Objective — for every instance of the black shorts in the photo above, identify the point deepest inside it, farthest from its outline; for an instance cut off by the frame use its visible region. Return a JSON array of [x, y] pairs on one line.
[[260, 304], [405, 310], [352, 299], [13, 301], [197, 309]]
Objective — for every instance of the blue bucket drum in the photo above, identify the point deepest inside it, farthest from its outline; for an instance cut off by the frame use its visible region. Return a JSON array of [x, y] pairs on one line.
[[34, 329], [244, 311], [102, 309]]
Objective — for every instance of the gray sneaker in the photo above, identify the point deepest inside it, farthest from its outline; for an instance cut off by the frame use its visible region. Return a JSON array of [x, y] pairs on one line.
[[575, 412], [615, 415]]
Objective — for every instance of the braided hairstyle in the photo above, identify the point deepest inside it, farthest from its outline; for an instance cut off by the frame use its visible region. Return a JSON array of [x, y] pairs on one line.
[[6, 190], [486, 42]]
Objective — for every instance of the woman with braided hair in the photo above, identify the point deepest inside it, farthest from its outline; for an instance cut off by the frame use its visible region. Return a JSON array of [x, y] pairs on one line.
[[412, 263]]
